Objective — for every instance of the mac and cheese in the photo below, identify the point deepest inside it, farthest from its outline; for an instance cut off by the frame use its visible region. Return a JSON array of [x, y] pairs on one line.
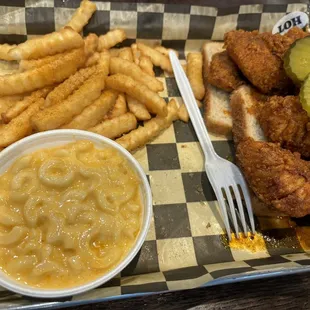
[[67, 215]]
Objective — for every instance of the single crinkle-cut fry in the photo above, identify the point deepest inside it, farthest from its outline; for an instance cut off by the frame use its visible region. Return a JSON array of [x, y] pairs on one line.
[[82, 15], [66, 88], [146, 65], [91, 44], [20, 126], [49, 74], [151, 129], [194, 74], [135, 53], [4, 51], [22, 105], [118, 65], [27, 64], [165, 51], [111, 38], [119, 108], [7, 102], [138, 109], [104, 62], [49, 44], [126, 53], [157, 58], [183, 114], [153, 102], [62, 113], [117, 126], [92, 60], [95, 112]]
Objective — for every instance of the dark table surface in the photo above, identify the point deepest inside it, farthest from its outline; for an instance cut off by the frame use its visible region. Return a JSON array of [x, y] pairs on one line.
[[288, 292]]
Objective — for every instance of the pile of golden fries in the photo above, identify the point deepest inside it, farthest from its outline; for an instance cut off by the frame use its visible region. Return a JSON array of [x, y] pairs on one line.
[[65, 81]]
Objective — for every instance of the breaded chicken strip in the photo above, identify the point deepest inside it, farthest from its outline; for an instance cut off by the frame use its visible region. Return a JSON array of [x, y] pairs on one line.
[[283, 120], [278, 177], [223, 73], [278, 44], [257, 63]]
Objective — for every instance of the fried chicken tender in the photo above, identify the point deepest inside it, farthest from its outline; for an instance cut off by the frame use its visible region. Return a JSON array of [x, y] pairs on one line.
[[283, 120], [257, 63], [223, 73], [278, 44], [277, 176]]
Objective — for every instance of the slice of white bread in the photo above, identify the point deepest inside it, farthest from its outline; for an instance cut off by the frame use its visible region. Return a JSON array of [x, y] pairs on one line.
[[216, 102], [245, 123]]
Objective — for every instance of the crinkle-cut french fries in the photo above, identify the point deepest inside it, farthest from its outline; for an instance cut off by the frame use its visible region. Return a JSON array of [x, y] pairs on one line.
[[135, 53], [137, 109], [118, 65], [157, 58], [194, 74], [20, 126], [183, 114], [165, 51], [82, 15], [49, 74], [4, 51], [110, 39], [153, 102], [92, 60], [62, 113], [104, 62], [151, 129], [119, 108], [114, 52], [117, 126], [146, 65], [66, 88], [22, 105], [27, 64], [49, 44], [126, 53], [91, 44], [93, 113], [7, 102]]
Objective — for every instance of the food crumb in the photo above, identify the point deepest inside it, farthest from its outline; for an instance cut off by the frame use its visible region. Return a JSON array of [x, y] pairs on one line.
[[249, 242], [208, 225]]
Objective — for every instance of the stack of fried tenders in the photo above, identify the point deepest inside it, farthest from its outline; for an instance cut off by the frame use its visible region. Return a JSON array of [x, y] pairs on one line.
[[65, 81]]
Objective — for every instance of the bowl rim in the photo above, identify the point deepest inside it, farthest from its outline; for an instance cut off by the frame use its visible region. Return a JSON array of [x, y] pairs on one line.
[[27, 290]]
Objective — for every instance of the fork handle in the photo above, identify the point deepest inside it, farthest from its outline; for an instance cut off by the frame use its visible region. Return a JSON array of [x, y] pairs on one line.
[[192, 108]]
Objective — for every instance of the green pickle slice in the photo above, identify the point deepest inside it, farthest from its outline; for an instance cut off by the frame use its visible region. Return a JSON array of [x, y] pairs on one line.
[[304, 95], [297, 60]]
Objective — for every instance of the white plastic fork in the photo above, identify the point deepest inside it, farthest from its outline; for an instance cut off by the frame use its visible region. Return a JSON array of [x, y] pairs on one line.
[[224, 176]]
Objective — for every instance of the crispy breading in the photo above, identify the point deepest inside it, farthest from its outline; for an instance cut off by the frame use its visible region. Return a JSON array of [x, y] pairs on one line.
[[278, 44], [223, 73], [277, 176], [257, 63], [285, 121]]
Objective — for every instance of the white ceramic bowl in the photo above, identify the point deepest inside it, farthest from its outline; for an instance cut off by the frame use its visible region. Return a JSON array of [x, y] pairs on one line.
[[60, 137]]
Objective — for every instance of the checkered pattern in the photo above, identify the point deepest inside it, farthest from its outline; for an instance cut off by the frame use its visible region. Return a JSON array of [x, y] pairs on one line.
[[185, 246]]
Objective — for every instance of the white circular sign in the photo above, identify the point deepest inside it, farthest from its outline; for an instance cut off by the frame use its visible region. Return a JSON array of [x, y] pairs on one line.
[[294, 19]]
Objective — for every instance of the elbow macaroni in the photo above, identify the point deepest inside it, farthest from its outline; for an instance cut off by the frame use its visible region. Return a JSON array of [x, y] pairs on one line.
[[71, 210]]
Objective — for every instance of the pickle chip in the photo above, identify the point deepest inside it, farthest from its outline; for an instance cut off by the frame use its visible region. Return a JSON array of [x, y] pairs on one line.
[[297, 60], [304, 95]]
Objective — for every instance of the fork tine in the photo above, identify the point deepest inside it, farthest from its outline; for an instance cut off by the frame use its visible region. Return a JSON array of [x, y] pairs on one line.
[[232, 210], [240, 207], [248, 203], [220, 199]]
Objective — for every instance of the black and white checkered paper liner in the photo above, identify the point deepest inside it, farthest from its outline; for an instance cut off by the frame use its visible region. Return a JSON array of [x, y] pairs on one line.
[[184, 247]]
